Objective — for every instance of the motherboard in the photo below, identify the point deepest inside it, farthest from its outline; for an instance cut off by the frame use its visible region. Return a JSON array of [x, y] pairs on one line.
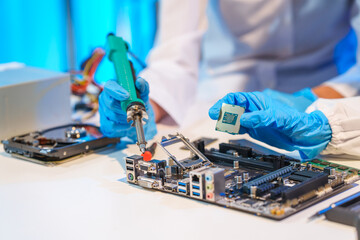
[[238, 177]]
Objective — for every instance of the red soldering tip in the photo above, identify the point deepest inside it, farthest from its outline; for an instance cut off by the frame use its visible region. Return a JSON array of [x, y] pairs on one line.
[[147, 156]]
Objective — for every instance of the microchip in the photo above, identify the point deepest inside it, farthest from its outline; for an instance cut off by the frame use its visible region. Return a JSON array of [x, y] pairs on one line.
[[316, 161], [353, 170], [229, 119]]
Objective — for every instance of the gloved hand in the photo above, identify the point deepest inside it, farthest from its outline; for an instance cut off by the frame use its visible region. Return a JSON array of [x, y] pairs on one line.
[[277, 124], [299, 100], [113, 118]]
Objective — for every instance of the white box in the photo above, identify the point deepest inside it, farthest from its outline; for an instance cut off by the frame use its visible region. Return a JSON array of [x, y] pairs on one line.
[[33, 99]]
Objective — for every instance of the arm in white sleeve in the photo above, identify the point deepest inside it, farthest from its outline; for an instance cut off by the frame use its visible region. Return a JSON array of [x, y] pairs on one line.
[[173, 64], [344, 119], [348, 84]]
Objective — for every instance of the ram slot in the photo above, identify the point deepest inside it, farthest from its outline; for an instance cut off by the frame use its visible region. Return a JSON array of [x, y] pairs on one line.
[[244, 162]]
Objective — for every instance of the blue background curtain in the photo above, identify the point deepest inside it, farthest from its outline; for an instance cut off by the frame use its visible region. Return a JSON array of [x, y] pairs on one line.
[[60, 34]]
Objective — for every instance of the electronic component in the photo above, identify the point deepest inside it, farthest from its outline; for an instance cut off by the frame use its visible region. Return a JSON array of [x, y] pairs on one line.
[[183, 186], [266, 178], [148, 182], [245, 157], [245, 176], [237, 177], [215, 183], [236, 164], [229, 118], [313, 183], [275, 193], [131, 164], [153, 166], [171, 187], [56, 145], [197, 183], [238, 181]]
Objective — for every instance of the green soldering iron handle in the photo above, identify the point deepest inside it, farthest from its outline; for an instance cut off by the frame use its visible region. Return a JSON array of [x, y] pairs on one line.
[[118, 55]]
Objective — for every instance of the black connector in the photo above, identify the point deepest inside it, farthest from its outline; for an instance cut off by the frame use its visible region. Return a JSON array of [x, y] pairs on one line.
[[242, 151], [302, 188]]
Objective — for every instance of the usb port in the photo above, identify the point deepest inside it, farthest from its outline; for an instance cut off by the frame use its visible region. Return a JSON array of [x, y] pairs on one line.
[[182, 184], [130, 162], [196, 194], [129, 168], [182, 190], [196, 187]]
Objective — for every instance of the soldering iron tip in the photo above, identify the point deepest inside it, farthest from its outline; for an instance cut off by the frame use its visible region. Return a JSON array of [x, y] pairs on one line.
[[142, 149]]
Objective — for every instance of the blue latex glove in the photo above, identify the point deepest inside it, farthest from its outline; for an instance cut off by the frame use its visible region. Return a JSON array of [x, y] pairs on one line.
[[279, 125], [113, 118], [299, 100]]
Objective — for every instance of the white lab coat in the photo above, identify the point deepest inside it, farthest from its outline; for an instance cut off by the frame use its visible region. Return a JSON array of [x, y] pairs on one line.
[[211, 47], [344, 119]]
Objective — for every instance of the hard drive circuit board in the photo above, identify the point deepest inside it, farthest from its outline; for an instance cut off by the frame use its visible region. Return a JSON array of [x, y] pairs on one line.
[[237, 177]]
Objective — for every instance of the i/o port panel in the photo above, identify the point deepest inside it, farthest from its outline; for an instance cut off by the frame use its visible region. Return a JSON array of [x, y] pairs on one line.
[[197, 182]]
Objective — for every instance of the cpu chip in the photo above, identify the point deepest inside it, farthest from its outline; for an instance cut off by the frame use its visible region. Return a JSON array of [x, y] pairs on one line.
[[229, 119]]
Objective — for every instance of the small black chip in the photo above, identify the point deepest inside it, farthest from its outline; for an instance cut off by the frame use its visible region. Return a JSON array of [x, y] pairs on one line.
[[250, 202], [334, 165], [325, 163], [343, 168], [316, 161]]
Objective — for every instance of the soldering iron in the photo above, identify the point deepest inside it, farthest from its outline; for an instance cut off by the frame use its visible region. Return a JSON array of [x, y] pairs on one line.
[[125, 74]]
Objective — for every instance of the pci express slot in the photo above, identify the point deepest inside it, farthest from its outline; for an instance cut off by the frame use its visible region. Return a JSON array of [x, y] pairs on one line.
[[245, 162], [266, 178], [302, 188], [264, 187]]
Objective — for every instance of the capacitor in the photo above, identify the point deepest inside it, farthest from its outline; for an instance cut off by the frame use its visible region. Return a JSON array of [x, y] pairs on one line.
[[253, 191], [238, 180], [309, 166], [330, 171], [236, 164], [246, 176]]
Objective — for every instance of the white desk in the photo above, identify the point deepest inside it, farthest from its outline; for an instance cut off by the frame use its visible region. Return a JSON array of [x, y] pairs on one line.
[[89, 198]]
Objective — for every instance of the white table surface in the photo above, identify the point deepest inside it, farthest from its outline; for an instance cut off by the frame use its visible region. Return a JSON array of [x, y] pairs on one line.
[[89, 198]]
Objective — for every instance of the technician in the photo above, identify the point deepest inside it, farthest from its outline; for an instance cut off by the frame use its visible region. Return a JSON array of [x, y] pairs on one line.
[[246, 45]]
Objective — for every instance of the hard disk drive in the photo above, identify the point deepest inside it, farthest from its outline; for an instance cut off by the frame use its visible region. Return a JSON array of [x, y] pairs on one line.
[[59, 144]]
